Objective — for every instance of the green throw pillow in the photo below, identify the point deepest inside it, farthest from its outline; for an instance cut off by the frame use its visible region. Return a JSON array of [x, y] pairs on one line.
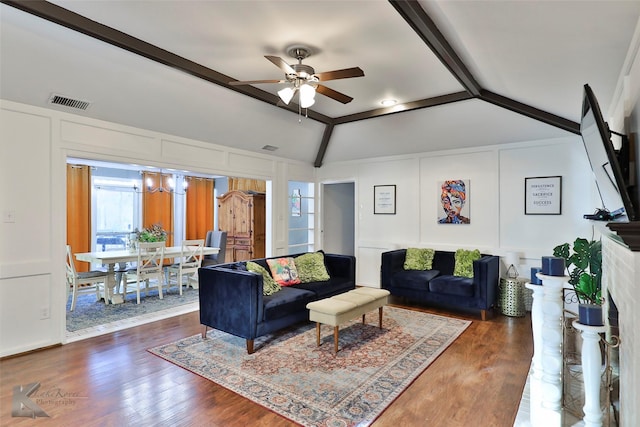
[[418, 259], [464, 262], [311, 268], [269, 286]]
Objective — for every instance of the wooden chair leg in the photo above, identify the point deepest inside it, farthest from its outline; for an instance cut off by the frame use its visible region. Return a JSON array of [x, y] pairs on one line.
[[204, 330], [318, 333], [249, 346], [336, 330], [483, 314]]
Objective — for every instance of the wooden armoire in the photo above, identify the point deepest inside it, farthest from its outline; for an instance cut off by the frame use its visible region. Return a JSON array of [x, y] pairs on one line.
[[242, 215]]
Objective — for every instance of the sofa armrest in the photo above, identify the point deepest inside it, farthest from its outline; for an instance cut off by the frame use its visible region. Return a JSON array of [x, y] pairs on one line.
[[486, 273], [230, 300], [341, 266], [391, 262]]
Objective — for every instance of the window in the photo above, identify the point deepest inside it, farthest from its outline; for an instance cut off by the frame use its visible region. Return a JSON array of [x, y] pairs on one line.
[[115, 212], [301, 217]]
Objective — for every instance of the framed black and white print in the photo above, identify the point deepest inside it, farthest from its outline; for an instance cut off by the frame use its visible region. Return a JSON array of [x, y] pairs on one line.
[[384, 199], [543, 195]]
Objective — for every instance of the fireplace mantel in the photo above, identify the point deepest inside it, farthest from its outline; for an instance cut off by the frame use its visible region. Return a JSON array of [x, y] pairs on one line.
[[629, 232]]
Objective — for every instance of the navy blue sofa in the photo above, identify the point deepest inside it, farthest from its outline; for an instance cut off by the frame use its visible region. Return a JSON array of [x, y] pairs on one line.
[[231, 298], [439, 286]]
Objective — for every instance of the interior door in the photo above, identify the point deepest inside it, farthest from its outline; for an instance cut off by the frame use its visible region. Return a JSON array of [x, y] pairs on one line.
[[338, 218]]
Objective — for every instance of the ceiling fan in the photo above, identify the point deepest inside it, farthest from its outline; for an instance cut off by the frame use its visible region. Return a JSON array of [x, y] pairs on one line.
[[303, 79]]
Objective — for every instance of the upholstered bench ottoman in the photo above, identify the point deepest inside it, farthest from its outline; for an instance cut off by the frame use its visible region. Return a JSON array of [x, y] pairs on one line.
[[343, 307]]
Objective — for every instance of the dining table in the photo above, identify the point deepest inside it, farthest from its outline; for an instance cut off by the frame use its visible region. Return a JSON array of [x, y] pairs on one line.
[[111, 258]]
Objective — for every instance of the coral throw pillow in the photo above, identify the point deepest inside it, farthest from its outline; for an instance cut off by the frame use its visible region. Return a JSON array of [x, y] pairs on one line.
[[284, 271], [269, 286], [418, 259], [311, 267], [464, 262]]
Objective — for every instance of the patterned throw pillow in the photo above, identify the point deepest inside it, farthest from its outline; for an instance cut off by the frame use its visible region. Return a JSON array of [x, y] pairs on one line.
[[418, 259], [269, 286], [464, 262], [284, 271], [311, 268]]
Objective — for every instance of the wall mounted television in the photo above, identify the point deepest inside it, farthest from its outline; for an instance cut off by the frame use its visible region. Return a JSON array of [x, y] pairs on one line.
[[607, 170]]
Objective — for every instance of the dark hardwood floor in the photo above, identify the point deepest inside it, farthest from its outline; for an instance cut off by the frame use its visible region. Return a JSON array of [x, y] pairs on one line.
[[112, 380]]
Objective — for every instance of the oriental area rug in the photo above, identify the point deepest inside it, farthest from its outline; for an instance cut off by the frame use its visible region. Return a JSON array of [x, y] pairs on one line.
[[293, 377]]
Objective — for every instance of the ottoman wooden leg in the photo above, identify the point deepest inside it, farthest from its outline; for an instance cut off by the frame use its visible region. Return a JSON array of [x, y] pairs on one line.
[[363, 319], [335, 339], [380, 317], [318, 333]]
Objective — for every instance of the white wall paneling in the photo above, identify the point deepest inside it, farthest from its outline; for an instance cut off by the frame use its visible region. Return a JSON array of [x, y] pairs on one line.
[[35, 145]]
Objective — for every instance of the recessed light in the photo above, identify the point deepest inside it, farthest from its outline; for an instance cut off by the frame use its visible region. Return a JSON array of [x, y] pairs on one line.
[[388, 102]]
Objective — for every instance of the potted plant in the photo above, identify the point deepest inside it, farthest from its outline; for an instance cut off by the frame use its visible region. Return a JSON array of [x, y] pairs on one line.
[[584, 264], [155, 233]]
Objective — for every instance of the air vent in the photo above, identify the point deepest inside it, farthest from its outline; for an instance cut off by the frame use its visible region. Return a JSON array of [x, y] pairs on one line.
[[269, 148], [69, 102]]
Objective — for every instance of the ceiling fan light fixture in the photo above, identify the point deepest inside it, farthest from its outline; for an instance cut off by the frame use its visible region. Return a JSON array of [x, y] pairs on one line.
[[286, 94], [307, 95]]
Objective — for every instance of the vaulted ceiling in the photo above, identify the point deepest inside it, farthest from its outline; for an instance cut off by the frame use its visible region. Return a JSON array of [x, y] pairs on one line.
[[464, 73]]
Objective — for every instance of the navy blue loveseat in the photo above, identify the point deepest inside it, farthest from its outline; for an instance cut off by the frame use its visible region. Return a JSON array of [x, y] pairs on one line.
[[439, 286], [231, 298]]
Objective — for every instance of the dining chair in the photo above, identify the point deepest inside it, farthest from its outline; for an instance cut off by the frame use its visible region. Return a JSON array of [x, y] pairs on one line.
[[83, 282], [189, 262], [215, 239], [149, 266]]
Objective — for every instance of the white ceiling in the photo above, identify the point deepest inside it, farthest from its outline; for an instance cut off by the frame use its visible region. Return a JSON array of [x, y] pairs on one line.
[[539, 53]]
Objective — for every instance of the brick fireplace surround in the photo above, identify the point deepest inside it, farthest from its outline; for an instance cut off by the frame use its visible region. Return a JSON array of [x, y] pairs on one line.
[[621, 279]]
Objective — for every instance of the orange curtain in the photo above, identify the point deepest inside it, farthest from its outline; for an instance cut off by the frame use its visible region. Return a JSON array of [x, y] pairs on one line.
[[157, 207], [79, 211], [247, 184], [199, 215]]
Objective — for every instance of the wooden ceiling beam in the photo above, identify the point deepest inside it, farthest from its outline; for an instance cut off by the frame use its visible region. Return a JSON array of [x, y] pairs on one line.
[[326, 136], [427, 30], [529, 111]]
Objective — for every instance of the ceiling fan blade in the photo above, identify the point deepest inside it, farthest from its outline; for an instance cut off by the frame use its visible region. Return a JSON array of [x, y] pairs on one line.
[[334, 94], [252, 82], [347, 73], [280, 63]]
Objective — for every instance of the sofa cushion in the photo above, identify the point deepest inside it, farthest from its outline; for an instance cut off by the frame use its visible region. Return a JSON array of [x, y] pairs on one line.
[[284, 271], [414, 279], [335, 285], [288, 300], [418, 259], [464, 262], [311, 267], [269, 286], [452, 285]]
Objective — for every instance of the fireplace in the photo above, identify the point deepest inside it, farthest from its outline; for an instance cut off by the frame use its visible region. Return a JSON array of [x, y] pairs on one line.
[[621, 274]]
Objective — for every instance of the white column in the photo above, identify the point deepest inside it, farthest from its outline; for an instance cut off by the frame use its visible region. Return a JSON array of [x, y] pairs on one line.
[[591, 372], [535, 379], [551, 408]]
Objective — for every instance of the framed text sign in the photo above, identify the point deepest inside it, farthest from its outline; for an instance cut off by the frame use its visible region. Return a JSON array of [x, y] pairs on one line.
[[543, 195], [384, 199]]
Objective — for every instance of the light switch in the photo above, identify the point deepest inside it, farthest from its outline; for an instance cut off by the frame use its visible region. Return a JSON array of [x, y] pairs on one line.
[[9, 216]]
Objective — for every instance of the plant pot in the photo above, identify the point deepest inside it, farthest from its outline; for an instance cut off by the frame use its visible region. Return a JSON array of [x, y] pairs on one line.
[[590, 314]]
